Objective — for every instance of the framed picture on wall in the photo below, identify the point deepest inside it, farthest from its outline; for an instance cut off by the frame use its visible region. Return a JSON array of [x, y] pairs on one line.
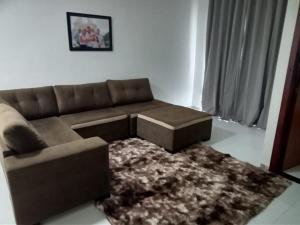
[[89, 32]]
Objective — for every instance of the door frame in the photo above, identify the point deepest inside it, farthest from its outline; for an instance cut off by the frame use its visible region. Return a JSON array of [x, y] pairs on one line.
[[287, 106]]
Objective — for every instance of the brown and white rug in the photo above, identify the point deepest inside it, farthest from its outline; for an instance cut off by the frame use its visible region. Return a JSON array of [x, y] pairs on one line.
[[196, 186]]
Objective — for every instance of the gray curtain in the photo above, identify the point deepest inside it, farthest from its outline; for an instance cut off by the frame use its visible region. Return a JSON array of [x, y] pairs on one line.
[[243, 38]]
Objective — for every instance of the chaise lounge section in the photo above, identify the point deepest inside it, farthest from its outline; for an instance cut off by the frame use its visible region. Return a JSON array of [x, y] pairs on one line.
[[174, 127]]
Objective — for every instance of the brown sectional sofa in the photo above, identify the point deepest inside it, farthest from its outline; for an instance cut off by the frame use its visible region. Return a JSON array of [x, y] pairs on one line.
[[73, 123]]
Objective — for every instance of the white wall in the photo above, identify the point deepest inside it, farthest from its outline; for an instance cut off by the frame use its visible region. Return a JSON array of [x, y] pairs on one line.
[[279, 81], [151, 38], [199, 69]]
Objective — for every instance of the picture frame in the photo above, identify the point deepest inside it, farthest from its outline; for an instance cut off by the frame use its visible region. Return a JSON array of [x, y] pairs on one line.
[[89, 32]]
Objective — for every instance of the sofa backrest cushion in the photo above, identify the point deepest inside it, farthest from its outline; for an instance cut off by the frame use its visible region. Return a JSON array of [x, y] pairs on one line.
[[78, 98], [17, 133], [32, 103], [129, 91]]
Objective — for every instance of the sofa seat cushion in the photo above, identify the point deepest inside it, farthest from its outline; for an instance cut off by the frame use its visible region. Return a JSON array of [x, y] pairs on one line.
[[55, 131], [174, 117], [93, 118], [17, 133], [82, 97], [129, 91], [134, 109]]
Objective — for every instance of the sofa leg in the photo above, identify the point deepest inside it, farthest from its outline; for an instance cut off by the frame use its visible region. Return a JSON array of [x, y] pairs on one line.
[[205, 139]]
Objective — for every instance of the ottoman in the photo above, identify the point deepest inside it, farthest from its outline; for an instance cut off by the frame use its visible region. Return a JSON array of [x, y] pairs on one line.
[[174, 127]]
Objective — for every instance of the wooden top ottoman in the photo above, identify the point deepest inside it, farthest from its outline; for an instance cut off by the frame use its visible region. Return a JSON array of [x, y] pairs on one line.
[[174, 127]]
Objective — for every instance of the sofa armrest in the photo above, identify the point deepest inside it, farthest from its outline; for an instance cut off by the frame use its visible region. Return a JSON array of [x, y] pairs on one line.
[[57, 178], [58, 152]]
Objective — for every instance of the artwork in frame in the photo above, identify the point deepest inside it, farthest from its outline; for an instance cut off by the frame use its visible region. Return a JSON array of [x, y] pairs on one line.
[[89, 32]]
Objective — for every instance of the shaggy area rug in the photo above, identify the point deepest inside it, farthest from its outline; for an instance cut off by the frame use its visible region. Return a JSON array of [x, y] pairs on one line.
[[195, 186]]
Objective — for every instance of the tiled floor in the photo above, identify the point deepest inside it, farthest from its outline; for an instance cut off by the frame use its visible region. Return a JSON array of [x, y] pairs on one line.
[[246, 144], [295, 171], [239, 141]]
